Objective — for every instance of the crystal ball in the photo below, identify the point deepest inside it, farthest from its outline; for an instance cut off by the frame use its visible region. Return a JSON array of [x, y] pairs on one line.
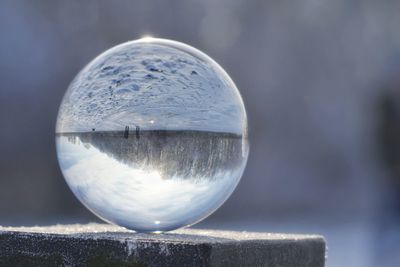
[[151, 135]]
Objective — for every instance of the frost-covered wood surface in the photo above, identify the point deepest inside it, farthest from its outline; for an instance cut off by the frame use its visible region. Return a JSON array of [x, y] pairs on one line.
[[107, 245]]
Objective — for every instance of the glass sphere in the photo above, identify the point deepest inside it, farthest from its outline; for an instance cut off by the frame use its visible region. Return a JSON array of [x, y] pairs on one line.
[[152, 135]]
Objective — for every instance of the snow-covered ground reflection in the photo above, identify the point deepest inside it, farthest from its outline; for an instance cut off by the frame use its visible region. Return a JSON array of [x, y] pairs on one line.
[[141, 199]]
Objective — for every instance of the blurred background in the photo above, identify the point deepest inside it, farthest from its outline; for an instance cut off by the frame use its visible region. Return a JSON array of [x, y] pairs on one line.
[[321, 84]]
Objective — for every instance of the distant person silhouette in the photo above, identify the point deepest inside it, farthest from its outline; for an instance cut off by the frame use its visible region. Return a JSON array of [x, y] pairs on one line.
[[137, 132], [126, 132]]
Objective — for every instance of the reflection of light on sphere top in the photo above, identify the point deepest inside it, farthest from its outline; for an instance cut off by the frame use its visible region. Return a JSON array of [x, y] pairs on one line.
[[152, 135]]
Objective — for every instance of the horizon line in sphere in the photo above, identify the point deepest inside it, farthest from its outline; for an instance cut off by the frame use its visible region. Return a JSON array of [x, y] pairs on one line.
[[133, 130]]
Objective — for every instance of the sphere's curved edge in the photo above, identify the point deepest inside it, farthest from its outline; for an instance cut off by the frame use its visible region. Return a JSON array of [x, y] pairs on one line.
[[198, 54]]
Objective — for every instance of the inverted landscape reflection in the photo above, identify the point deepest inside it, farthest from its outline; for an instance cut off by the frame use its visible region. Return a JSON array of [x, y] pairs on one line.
[[151, 180]]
